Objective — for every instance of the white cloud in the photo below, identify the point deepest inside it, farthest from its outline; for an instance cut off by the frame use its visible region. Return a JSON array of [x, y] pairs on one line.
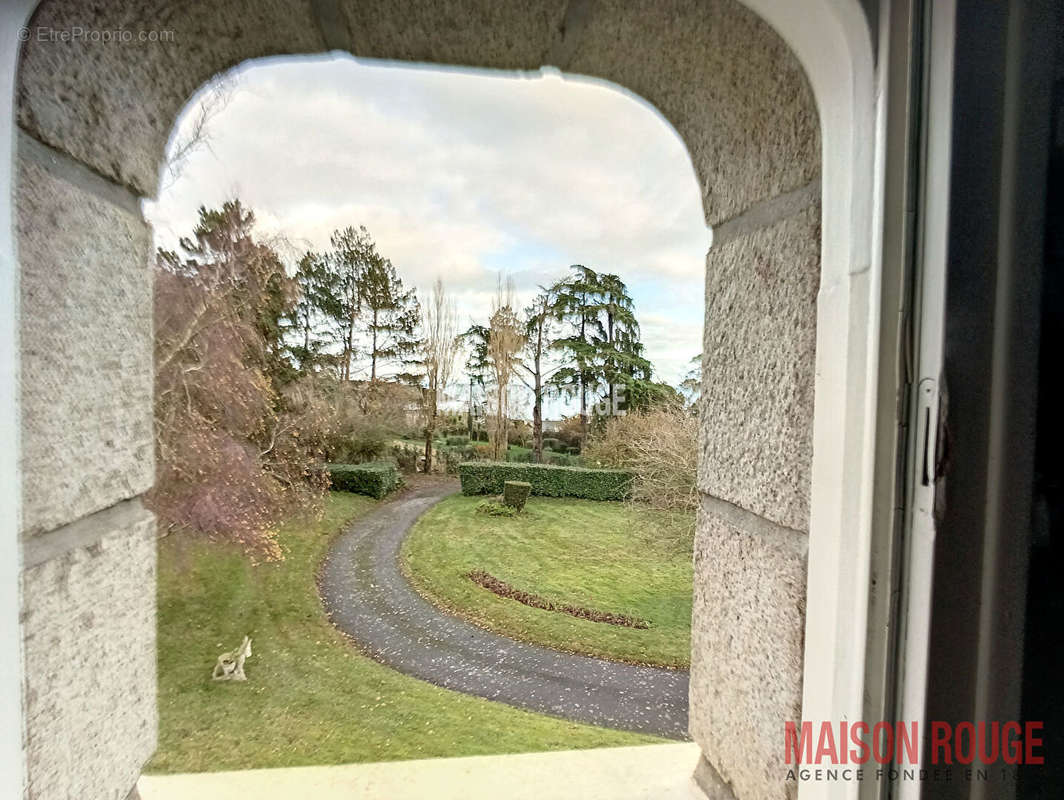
[[463, 174]]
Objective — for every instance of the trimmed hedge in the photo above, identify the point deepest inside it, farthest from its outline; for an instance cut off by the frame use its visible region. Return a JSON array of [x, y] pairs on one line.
[[515, 493], [375, 479], [489, 477], [457, 441]]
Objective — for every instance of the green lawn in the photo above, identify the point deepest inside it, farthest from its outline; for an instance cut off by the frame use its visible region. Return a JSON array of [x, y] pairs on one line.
[[310, 697], [609, 557]]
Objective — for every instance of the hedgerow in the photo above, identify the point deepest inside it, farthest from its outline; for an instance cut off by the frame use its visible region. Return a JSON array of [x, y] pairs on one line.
[[375, 479], [489, 477]]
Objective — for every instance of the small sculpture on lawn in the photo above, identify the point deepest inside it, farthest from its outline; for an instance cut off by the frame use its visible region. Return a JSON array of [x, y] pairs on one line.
[[230, 666]]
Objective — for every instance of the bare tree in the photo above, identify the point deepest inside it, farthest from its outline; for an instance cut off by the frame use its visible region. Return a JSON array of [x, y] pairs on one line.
[[533, 372], [195, 133], [505, 340], [439, 349]]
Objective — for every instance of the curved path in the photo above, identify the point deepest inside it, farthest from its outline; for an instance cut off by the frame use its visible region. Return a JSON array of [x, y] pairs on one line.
[[367, 598]]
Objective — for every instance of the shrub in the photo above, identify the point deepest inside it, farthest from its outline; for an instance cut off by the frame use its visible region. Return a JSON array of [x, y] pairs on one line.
[[518, 434], [552, 444], [489, 477], [457, 441], [376, 479], [452, 458], [559, 459], [515, 493], [494, 508], [660, 448], [406, 457], [569, 431], [356, 447]]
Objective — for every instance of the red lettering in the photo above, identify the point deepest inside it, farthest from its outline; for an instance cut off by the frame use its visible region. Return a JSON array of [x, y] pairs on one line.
[[826, 745], [1011, 749], [965, 756], [909, 741], [940, 736], [793, 745], [985, 739], [859, 730], [882, 755], [1032, 742], [844, 751]]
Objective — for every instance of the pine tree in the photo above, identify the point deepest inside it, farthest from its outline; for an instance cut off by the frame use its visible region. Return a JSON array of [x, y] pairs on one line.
[[308, 320], [392, 314], [223, 253], [353, 251]]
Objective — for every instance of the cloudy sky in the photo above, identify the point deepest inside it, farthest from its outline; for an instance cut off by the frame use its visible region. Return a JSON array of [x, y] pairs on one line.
[[464, 175]]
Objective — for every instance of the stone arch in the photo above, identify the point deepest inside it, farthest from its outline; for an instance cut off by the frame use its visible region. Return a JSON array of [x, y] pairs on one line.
[[94, 119]]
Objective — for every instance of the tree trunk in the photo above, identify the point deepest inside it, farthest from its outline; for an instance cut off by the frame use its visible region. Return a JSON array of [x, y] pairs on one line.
[[583, 385], [349, 349], [609, 365], [306, 340], [537, 425], [583, 413], [373, 354], [499, 431], [505, 443], [430, 430], [469, 413], [537, 405]]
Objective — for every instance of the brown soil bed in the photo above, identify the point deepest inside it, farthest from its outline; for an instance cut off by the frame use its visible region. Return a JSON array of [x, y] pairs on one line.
[[503, 589]]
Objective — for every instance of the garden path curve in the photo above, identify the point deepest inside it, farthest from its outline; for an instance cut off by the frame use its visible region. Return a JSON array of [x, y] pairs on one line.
[[368, 599]]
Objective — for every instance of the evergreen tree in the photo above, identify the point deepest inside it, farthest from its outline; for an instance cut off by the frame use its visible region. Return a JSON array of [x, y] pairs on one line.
[[576, 303], [475, 339], [603, 346], [353, 251], [620, 352], [223, 254], [392, 314], [308, 320]]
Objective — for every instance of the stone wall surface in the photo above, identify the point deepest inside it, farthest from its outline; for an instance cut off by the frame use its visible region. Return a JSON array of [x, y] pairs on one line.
[[113, 106], [746, 638], [759, 343], [480, 33], [755, 435], [89, 653], [727, 83], [86, 345], [95, 122]]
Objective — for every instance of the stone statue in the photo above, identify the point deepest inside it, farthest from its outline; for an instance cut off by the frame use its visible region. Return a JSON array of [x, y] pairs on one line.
[[230, 666]]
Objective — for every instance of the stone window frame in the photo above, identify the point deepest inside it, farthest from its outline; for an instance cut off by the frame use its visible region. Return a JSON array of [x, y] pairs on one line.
[[831, 40]]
